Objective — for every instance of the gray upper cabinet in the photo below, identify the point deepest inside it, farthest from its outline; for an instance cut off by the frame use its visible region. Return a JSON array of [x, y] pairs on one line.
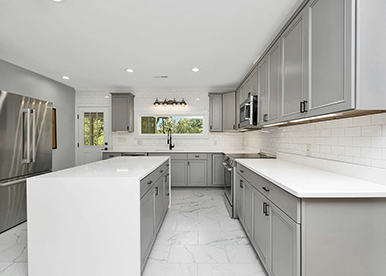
[[122, 109], [274, 84], [229, 111], [262, 71], [254, 87], [331, 69], [294, 66], [215, 112]]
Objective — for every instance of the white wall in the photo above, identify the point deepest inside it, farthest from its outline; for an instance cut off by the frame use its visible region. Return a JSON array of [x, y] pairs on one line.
[[358, 140], [24, 82], [197, 103]]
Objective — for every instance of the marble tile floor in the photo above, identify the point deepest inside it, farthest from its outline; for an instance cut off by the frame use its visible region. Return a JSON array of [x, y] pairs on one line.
[[197, 238]]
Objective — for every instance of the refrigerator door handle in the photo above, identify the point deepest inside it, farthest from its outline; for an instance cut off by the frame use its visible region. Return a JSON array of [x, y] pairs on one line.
[[25, 160], [33, 133]]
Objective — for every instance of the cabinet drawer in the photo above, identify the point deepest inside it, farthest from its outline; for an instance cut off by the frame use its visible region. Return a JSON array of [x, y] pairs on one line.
[[107, 155], [197, 156], [172, 156], [147, 182], [288, 203], [161, 170]]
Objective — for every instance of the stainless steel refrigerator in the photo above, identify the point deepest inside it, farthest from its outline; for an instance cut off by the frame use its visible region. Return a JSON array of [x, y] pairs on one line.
[[25, 150]]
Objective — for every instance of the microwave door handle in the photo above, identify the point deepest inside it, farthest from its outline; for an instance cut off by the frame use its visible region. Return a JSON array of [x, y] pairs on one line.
[[247, 118], [25, 160]]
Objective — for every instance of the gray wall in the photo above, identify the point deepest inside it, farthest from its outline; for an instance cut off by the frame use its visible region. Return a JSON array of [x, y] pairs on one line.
[[24, 82]]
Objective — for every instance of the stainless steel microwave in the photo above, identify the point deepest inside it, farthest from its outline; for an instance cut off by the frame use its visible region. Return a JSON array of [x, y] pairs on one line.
[[248, 112]]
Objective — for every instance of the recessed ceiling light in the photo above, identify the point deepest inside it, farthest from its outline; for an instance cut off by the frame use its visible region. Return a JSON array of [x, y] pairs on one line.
[[65, 77], [128, 70], [57, 1], [195, 70]]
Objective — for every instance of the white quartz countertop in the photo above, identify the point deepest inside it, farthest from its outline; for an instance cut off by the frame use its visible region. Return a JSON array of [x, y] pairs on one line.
[[307, 182], [183, 151], [119, 167]]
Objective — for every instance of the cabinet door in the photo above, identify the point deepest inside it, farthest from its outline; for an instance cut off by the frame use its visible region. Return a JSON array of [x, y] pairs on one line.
[[147, 223], [122, 108], [247, 88], [215, 112], [166, 192], [179, 172], [254, 83], [247, 207], [285, 244], [158, 203], [240, 197], [294, 54], [263, 90], [330, 64], [229, 111], [260, 236], [217, 169], [273, 84], [197, 172]]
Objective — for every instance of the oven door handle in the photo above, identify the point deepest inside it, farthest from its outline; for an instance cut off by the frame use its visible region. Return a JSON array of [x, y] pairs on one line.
[[229, 169]]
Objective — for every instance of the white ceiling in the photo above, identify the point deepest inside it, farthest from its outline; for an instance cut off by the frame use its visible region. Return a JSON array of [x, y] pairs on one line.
[[93, 41]]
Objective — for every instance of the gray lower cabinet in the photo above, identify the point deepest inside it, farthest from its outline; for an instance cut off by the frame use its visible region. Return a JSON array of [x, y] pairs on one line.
[[154, 205], [122, 109], [217, 169], [273, 233], [147, 225], [197, 173], [179, 173]]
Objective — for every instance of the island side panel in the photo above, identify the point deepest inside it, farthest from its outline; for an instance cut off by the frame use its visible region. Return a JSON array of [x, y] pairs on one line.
[[83, 227], [344, 237]]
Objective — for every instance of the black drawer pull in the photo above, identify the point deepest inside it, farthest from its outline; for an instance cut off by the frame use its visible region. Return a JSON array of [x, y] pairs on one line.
[[265, 189], [150, 182], [197, 156], [167, 165], [161, 171], [241, 184], [241, 171], [156, 190]]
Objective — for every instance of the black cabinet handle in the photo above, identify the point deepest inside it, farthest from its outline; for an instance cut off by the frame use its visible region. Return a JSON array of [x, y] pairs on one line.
[[168, 194], [266, 213], [156, 190], [128, 127], [305, 106], [241, 171], [197, 156], [167, 165], [234, 126], [264, 207], [265, 118], [301, 107], [161, 171], [210, 127], [241, 184], [149, 182], [265, 189]]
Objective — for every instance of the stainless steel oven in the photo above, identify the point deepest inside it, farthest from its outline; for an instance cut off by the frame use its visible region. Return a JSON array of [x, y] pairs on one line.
[[229, 164]]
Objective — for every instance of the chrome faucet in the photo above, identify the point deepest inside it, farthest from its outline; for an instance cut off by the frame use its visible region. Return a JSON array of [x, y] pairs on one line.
[[169, 141]]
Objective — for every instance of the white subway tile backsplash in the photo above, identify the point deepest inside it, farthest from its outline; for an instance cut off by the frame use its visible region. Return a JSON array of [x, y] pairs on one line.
[[352, 131], [373, 153], [372, 131], [352, 151], [378, 142], [332, 141], [361, 141], [362, 121], [378, 163], [338, 150], [337, 132], [345, 141], [347, 122], [378, 119]]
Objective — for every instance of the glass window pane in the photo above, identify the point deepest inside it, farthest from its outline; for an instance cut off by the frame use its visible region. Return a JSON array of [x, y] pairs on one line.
[[177, 124], [93, 129]]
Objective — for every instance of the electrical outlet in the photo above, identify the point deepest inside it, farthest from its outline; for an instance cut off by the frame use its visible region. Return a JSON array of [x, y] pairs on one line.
[[308, 149], [139, 142]]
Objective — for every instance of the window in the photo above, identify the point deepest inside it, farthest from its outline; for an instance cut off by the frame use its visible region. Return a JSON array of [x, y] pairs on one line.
[[177, 124], [93, 129]]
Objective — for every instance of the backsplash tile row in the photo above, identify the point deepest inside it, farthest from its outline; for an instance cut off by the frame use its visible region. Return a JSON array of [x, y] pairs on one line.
[[358, 140]]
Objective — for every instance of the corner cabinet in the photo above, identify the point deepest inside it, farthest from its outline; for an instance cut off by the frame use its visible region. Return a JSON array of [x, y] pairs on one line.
[[215, 112], [122, 109]]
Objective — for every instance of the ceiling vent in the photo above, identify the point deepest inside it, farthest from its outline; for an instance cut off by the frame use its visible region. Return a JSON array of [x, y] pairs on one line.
[[160, 77]]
